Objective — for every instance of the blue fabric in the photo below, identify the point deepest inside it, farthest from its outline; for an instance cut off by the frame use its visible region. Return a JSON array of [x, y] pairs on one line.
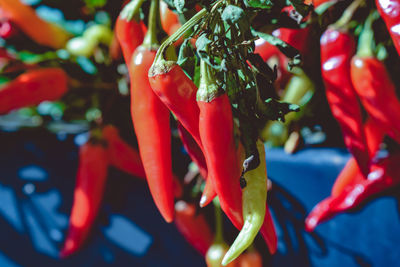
[[36, 190]]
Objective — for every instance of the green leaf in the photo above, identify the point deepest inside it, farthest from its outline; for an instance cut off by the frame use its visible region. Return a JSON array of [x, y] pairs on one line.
[[187, 58], [284, 47], [264, 4], [179, 5], [300, 7], [276, 110], [232, 14]]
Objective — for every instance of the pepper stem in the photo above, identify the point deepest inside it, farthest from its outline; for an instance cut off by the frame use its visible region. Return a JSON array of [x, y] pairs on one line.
[[151, 39], [178, 34], [348, 14], [366, 41], [219, 238], [208, 88], [131, 9]]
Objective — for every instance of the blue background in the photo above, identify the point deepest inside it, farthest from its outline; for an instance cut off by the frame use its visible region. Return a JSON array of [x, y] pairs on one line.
[[36, 188]]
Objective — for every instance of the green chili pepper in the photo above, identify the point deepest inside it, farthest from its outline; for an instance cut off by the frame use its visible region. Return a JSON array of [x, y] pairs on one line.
[[254, 208]]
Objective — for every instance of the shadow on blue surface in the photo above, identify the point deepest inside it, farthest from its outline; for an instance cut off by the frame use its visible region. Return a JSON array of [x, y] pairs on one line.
[[36, 190]]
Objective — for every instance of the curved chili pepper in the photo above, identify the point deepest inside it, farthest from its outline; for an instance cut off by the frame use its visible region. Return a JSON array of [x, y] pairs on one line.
[[42, 32], [390, 10], [88, 193], [193, 227], [253, 199], [251, 258], [337, 49], [348, 176], [151, 122], [217, 137], [383, 175], [33, 87], [128, 31], [374, 85]]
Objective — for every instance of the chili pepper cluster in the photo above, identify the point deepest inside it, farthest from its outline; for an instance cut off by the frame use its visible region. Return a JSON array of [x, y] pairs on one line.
[[226, 78]]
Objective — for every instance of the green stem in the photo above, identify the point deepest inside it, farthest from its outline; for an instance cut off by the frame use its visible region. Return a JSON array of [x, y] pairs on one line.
[[154, 26], [219, 238], [208, 87], [366, 41], [178, 34], [348, 14], [131, 9]]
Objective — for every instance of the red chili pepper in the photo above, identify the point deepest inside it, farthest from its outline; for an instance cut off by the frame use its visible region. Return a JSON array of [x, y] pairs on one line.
[[151, 122], [374, 86], [337, 49], [390, 10], [217, 136], [129, 32], [178, 92], [29, 22], [88, 193], [265, 49], [383, 175], [348, 176], [193, 227], [33, 87], [122, 155]]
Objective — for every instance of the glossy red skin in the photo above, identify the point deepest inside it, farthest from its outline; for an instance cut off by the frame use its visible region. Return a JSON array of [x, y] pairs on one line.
[[348, 176], [151, 122], [130, 35], [178, 92], [390, 12], [193, 227], [383, 175], [377, 93], [337, 49], [88, 194], [33, 87], [122, 155], [8, 30], [217, 136]]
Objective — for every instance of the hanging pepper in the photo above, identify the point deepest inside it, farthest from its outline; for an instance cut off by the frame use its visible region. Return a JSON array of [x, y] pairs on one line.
[[373, 84], [128, 31], [384, 175], [390, 10], [193, 227], [178, 92], [349, 175], [217, 137], [33, 87], [88, 193], [151, 121], [42, 32], [337, 49], [253, 202]]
